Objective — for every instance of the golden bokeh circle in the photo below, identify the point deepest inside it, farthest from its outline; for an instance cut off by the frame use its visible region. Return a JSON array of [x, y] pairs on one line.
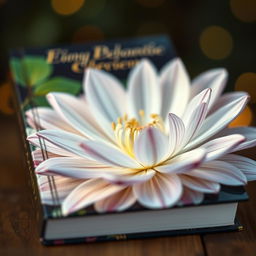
[[216, 42], [244, 119], [6, 98], [247, 82], [66, 7], [244, 10]]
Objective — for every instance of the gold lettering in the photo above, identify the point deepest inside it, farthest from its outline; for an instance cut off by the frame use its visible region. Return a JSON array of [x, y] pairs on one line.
[[101, 52], [119, 58], [52, 56], [76, 67], [104, 52]]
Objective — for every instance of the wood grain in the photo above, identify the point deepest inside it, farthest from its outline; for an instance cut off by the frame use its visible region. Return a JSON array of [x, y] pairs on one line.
[[237, 243], [18, 232]]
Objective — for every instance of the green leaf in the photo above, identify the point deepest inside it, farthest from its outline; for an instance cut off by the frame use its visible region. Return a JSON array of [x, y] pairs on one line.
[[17, 71], [31, 70], [58, 84], [37, 69], [41, 101]]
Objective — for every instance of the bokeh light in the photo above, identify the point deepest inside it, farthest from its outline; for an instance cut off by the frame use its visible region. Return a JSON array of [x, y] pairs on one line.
[[6, 97], [244, 119], [247, 82], [216, 42], [88, 33], [150, 3], [244, 10], [66, 7]]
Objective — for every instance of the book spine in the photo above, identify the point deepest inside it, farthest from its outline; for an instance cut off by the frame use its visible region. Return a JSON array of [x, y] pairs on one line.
[[34, 196]]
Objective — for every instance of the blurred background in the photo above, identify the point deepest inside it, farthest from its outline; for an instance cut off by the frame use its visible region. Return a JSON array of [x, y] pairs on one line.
[[206, 34]]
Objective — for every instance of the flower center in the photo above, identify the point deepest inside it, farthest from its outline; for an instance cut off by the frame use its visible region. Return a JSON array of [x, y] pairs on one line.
[[126, 130]]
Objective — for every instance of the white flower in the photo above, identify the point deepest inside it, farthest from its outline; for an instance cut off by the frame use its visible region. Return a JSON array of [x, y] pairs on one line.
[[161, 142]]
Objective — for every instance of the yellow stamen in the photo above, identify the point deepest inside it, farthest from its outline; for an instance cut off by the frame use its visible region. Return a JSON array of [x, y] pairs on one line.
[[157, 122], [113, 125], [154, 116], [120, 120], [126, 130], [142, 116], [142, 113]]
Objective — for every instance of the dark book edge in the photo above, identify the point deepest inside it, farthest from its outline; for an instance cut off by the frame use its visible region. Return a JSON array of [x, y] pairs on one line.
[[198, 231], [38, 213]]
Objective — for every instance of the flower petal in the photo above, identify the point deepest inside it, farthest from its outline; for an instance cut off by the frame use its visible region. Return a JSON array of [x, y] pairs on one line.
[[202, 97], [195, 122], [87, 193], [143, 91], [248, 132], [221, 146], [199, 184], [71, 167], [221, 172], [46, 118], [64, 140], [175, 88], [46, 146], [226, 99], [244, 164], [120, 201], [107, 155], [150, 146], [106, 97], [77, 113], [63, 185], [128, 176], [176, 133], [214, 79], [190, 196], [161, 191], [183, 162], [38, 156], [217, 121], [195, 114]]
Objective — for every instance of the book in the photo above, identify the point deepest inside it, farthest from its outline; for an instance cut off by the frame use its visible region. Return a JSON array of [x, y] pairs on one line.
[[37, 72], [215, 214]]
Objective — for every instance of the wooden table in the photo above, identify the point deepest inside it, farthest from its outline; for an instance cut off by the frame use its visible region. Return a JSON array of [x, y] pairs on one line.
[[18, 232]]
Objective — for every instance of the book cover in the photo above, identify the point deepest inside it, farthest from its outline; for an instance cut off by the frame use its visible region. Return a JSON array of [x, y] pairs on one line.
[[143, 136]]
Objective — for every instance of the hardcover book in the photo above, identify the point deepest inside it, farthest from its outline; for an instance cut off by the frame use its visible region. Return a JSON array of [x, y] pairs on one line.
[[120, 145]]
